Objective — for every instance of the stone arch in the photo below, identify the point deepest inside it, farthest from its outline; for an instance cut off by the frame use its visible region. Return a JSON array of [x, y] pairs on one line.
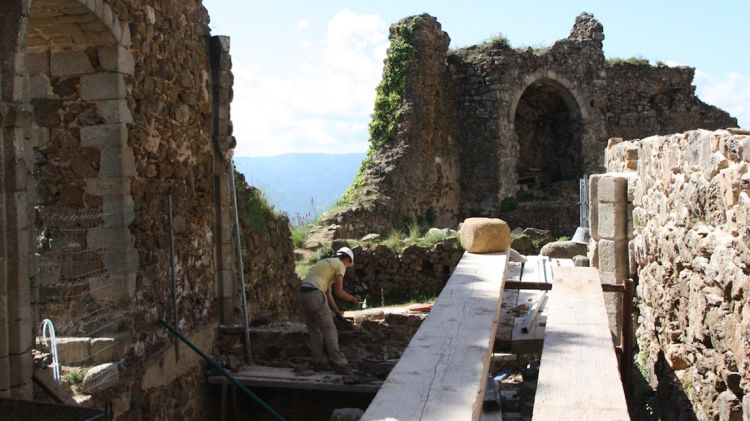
[[548, 122], [78, 67]]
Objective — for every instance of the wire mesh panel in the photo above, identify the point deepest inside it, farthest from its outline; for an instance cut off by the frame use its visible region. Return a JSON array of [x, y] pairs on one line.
[[583, 191], [74, 284]]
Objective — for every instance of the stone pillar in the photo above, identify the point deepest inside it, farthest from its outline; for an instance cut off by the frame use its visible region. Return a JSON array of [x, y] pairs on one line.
[[15, 248], [224, 142], [611, 228]]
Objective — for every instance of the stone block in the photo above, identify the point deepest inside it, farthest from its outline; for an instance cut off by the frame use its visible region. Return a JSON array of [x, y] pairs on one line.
[[485, 235], [20, 334], [120, 261], [100, 378], [73, 351], [115, 111], [117, 59], [612, 220], [108, 186], [69, 63], [21, 369], [613, 258], [730, 408], [39, 86], [104, 350], [594, 206], [105, 237], [37, 63], [105, 135], [612, 189], [113, 290], [613, 304], [563, 249], [102, 86], [4, 373], [119, 211], [593, 253], [116, 162]]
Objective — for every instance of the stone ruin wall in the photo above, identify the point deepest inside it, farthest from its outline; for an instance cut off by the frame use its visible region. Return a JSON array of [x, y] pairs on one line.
[[106, 107], [689, 249], [468, 124]]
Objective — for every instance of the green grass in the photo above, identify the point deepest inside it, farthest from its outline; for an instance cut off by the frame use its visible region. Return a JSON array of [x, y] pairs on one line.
[[563, 238], [75, 376], [393, 240], [254, 209], [430, 239], [498, 40], [414, 232], [300, 234]]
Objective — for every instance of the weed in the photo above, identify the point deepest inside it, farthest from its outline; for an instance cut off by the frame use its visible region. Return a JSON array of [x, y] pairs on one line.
[[415, 232], [75, 376], [393, 240], [300, 234], [497, 41], [254, 208], [632, 61], [430, 239], [563, 238]]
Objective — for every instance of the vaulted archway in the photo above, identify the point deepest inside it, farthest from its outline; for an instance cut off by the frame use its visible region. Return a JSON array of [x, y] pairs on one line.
[[549, 127]]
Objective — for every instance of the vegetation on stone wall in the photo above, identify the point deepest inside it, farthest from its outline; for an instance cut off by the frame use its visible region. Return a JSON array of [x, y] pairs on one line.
[[253, 206], [389, 97], [633, 61]]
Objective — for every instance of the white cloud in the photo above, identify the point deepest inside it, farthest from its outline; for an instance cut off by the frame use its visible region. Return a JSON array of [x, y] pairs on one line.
[[318, 102], [302, 24], [731, 93]]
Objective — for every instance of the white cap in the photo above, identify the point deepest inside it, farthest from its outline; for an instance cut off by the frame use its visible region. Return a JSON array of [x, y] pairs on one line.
[[345, 251]]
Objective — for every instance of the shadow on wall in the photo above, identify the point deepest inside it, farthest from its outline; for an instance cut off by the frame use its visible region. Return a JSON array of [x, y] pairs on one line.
[[669, 401]]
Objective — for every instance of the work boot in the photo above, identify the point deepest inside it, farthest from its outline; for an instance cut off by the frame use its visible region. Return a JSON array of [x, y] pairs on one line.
[[343, 369]]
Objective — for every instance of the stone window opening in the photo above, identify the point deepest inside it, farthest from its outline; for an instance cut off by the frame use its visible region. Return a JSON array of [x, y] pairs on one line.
[[549, 128]]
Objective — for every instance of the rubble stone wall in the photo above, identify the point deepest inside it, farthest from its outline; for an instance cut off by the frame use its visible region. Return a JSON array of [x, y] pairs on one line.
[[416, 272], [487, 126], [691, 250]]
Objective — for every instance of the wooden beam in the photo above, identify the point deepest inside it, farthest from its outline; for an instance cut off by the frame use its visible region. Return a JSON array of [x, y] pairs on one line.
[[578, 376], [286, 378], [442, 373]]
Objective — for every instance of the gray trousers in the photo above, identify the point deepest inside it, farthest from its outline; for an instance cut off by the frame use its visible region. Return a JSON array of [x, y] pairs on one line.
[[321, 329]]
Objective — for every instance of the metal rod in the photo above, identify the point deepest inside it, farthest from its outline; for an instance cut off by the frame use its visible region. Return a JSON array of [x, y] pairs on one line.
[[240, 267], [174, 277], [223, 372], [627, 338]]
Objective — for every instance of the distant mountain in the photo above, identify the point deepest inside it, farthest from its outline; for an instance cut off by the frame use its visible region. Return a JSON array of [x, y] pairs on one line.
[[301, 184]]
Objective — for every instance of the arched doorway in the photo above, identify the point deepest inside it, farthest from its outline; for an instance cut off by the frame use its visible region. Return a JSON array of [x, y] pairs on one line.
[[549, 128]]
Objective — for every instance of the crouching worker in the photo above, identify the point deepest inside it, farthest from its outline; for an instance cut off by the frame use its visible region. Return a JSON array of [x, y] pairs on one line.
[[325, 278]]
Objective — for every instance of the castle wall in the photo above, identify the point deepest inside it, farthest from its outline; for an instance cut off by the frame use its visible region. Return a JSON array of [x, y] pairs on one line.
[[690, 249], [517, 128]]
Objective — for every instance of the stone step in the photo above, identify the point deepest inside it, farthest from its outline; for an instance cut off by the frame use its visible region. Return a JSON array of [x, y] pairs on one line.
[[85, 351]]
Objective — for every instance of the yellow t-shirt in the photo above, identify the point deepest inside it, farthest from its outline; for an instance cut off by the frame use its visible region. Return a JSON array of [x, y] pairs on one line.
[[323, 273]]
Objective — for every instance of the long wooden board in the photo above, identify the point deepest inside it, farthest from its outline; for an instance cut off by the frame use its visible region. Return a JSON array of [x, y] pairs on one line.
[[286, 378], [442, 373], [578, 376]]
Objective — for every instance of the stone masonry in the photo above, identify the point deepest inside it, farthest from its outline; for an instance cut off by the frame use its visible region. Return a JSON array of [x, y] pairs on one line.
[[489, 129], [106, 108], [681, 215]]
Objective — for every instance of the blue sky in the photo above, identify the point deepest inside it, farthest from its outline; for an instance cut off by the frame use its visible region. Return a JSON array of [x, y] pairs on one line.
[[305, 71]]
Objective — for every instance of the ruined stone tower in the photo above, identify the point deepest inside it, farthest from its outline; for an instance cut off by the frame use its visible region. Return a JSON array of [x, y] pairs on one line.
[[490, 130]]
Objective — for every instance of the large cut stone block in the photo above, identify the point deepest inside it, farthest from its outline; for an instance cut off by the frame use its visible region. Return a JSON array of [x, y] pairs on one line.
[[117, 162], [613, 260], [69, 62], [73, 351], [115, 111], [105, 135], [594, 206], [102, 86], [100, 377], [485, 235], [117, 59], [612, 188], [612, 220], [104, 350], [37, 63]]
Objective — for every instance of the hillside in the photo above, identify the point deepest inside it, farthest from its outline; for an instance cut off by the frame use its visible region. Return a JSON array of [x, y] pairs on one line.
[[300, 184]]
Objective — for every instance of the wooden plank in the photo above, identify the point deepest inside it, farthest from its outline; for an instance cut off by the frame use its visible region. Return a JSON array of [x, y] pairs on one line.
[[286, 378], [578, 376], [504, 332], [528, 342], [441, 374]]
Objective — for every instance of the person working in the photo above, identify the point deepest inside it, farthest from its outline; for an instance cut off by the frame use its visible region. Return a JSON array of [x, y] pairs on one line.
[[326, 277]]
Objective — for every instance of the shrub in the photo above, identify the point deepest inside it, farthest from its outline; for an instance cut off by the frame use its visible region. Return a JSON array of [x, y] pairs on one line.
[[300, 234], [254, 209]]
